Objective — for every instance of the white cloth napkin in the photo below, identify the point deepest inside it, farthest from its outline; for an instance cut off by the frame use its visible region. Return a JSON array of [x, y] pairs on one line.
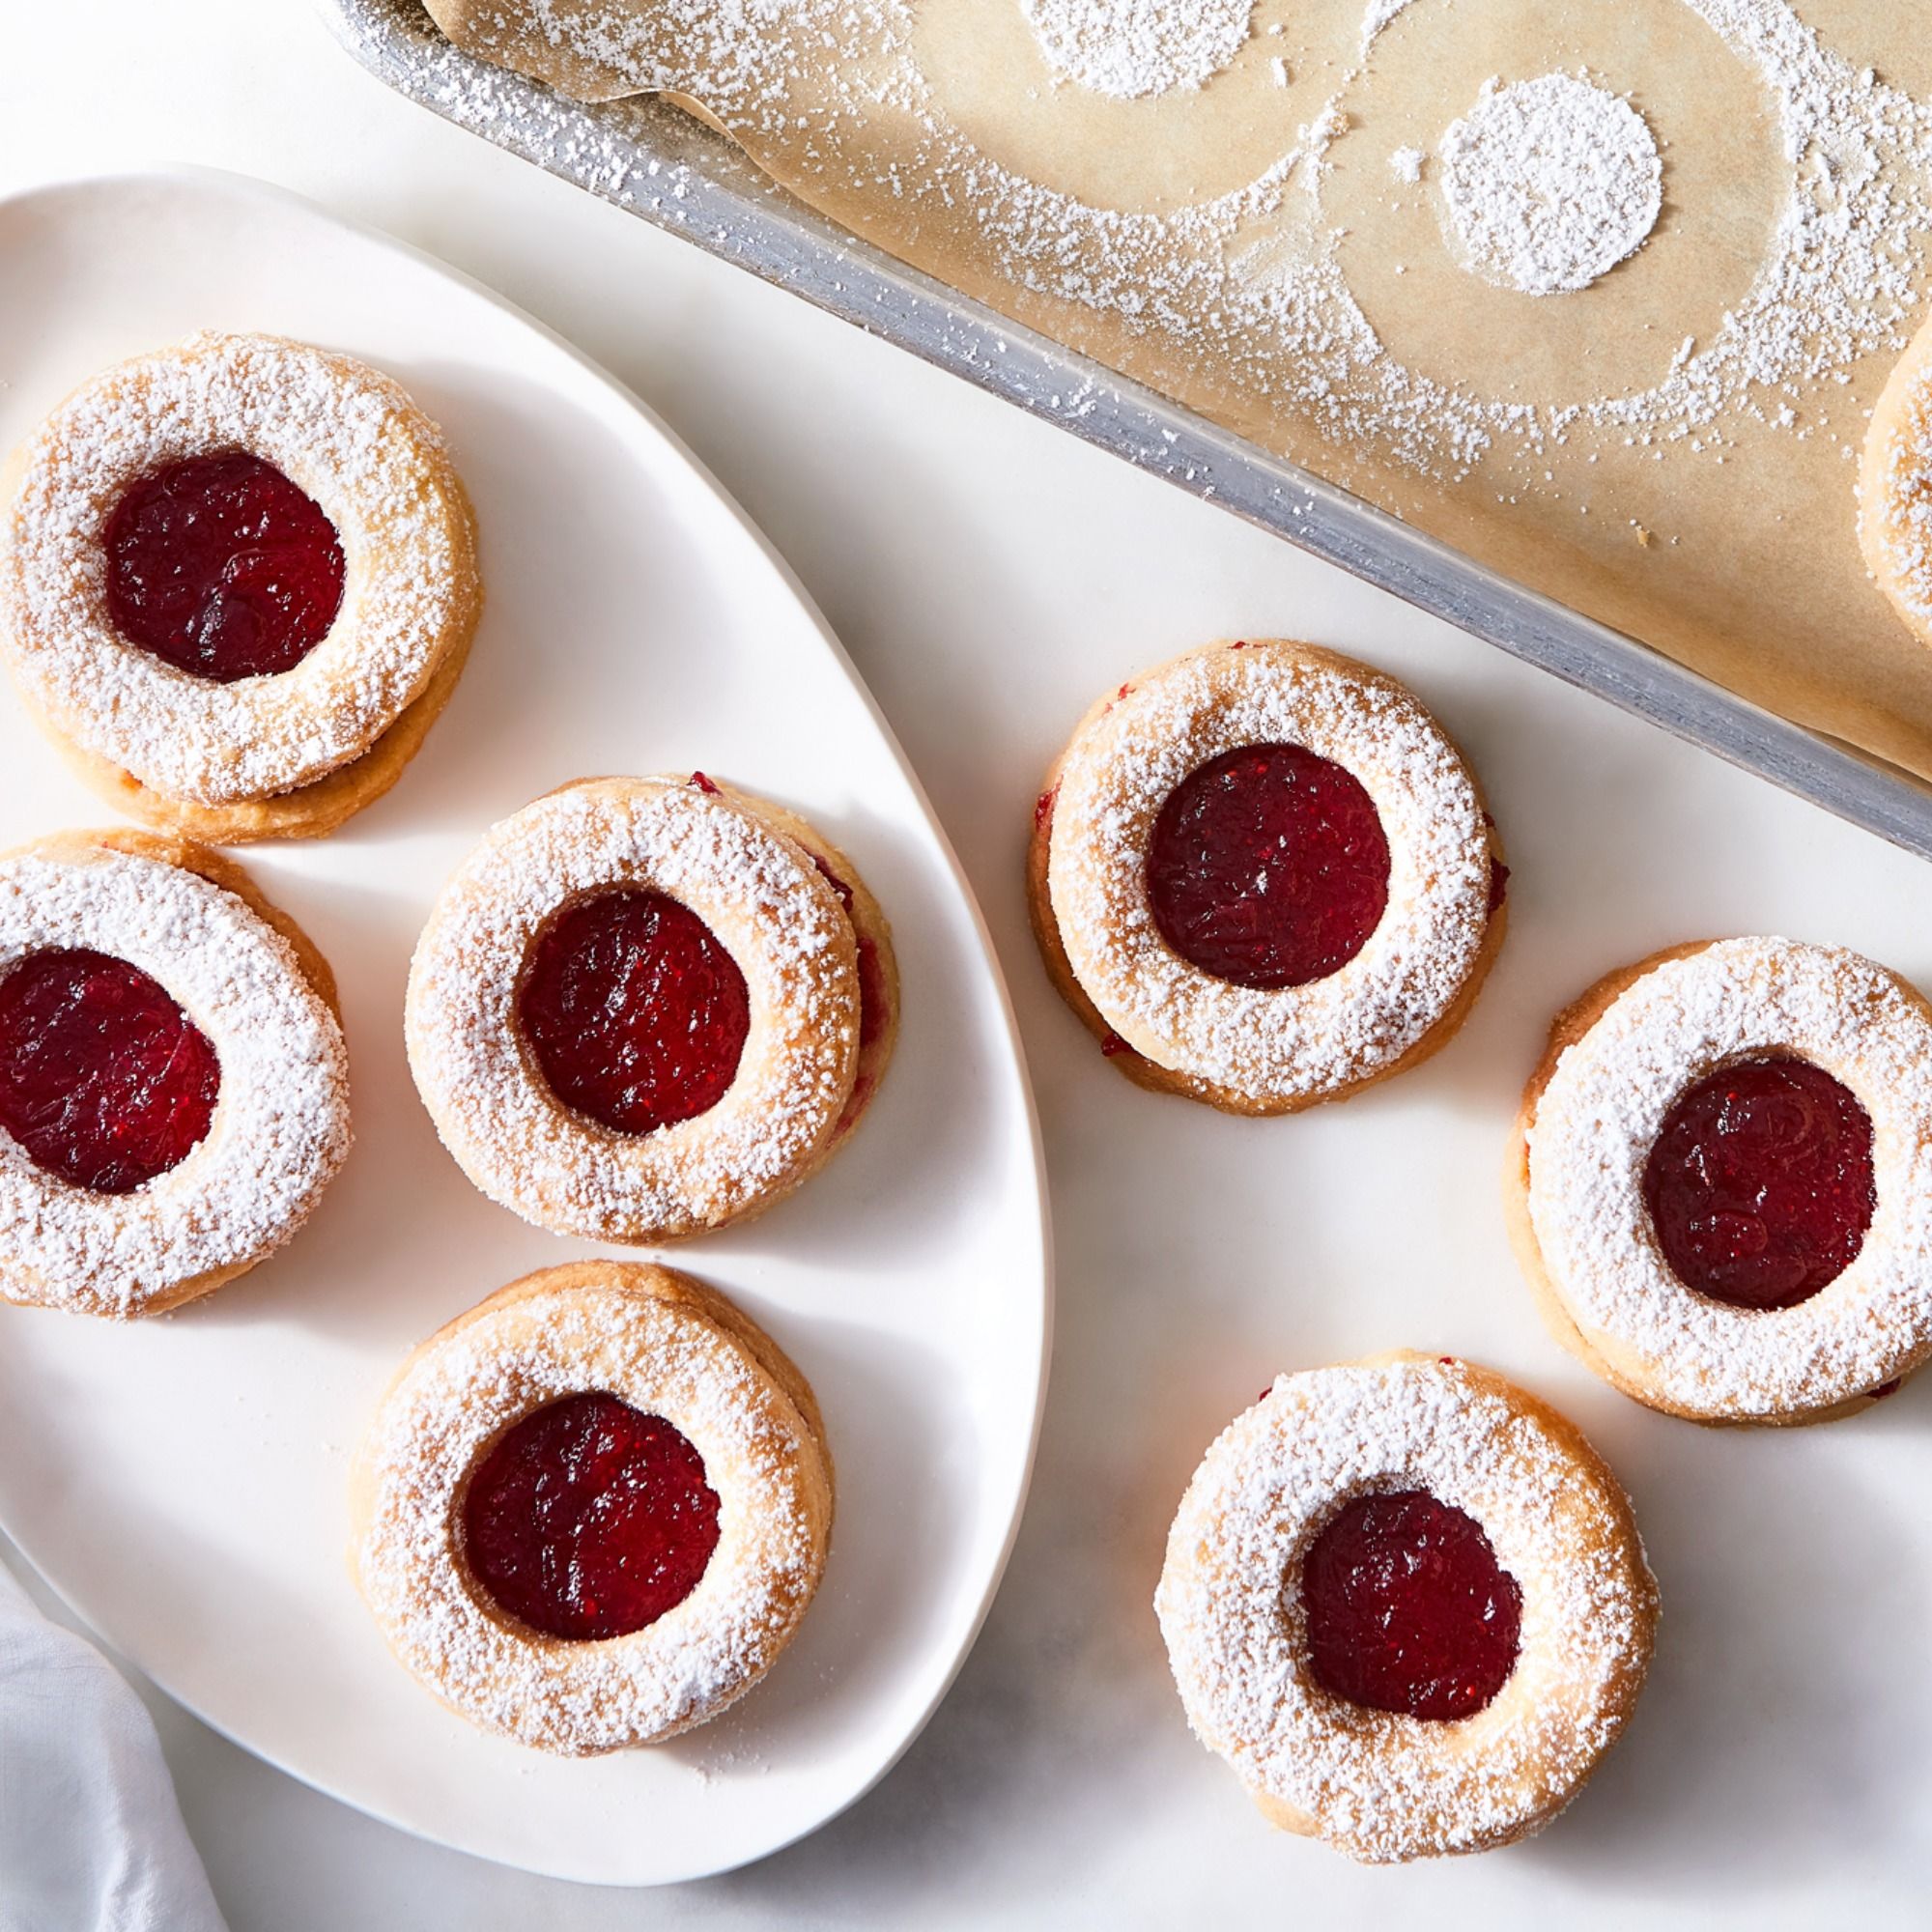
[[90, 1836]]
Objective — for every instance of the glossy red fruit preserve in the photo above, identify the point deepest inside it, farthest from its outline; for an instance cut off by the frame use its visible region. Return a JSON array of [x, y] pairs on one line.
[[223, 567], [636, 1013], [589, 1519], [1760, 1185], [1408, 1610], [1269, 867], [104, 1080], [871, 974]]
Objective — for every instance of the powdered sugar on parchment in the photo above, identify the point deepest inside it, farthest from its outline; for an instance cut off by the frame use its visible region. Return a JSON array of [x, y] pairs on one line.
[[1247, 290], [1550, 183], [1135, 47]]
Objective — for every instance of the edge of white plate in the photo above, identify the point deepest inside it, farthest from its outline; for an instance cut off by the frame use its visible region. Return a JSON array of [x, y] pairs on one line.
[[225, 182]]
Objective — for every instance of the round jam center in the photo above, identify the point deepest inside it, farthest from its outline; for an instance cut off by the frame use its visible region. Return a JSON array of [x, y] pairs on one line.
[[589, 1519], [220, 565], [1408, 1610], [104, 1080], [636, 1013], [1760, 1185], [1269, 867]]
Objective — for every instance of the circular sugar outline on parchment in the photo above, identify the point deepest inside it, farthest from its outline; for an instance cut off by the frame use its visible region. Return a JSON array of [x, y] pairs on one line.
[[1134, 48]]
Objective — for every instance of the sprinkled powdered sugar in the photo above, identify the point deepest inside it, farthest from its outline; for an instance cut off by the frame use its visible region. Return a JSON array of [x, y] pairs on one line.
[[461, 1394], [282, 1124], [771, 909], [1379, 14], [1604, 1108], [1247, 290], [1838, 282], [1300, 1040], [1134, 48], [1379, 1786], [343, 432], [1550, 183]]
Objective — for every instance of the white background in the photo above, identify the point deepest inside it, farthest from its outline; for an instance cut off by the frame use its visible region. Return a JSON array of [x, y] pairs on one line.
[[989, 576]]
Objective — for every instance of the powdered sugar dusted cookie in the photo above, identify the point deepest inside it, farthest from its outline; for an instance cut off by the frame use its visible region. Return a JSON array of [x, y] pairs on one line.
[[1895, 488], [1264, 877], [1721, 1181], [592, 1512], [1407, 1603], [643, 1008], [174, 1087], [238, 585]]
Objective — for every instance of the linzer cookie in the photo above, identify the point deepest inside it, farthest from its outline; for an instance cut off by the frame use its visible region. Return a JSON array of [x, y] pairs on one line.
[[1895, 489], [645, 1007], [1407, 1603], [592, 1512], [238, 584], [1719, 1185], [174, 1090], [1262, 877]]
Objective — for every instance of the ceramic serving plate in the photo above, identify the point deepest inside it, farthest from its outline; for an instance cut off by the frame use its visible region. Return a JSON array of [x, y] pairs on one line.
[[182, 1482]]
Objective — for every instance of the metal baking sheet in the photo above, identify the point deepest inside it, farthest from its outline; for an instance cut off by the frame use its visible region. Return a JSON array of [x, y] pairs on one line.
[[659, 163]]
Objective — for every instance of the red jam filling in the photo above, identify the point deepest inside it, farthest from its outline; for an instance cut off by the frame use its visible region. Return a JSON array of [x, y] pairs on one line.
[[1269, 867], [223, 567], [635, 1012], [104, 1080], [1408, 1610], [872, 976], [589, 1519], [1760, 1185], [1499, 874]]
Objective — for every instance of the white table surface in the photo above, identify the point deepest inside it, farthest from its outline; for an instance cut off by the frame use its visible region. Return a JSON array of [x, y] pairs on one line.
[[989, 575]]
